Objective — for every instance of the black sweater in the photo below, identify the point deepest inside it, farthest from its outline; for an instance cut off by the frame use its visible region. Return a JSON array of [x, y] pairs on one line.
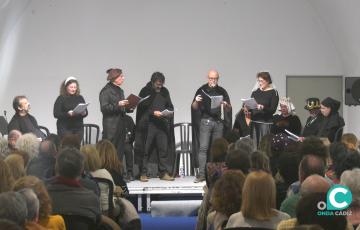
[[269, 99], [62, 106]]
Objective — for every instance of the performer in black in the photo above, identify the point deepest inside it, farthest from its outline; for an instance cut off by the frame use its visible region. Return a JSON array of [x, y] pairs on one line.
[[22, 120], [209, 123], [314, 121], [332, 121], [69, 122], [287, 119], [242, 123], [154, 138], [267, 99], [112, 104], [129, 147]]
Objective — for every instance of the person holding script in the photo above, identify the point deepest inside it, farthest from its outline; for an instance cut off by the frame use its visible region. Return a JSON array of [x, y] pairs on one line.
[[67, 109], [113, 107], [267, 99], [154, 136], [211, 115]]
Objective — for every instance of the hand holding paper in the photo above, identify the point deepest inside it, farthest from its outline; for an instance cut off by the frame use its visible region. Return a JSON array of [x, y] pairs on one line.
[[167, 113], [250, 103], [80, 108]]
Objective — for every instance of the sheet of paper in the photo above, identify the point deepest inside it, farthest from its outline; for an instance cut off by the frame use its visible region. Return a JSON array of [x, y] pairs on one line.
[[250, 103], [292, 134], [167, 113], [215, 101], [80, 108]]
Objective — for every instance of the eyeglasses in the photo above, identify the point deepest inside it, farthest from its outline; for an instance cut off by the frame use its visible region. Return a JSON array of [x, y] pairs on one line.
[[213, 78]]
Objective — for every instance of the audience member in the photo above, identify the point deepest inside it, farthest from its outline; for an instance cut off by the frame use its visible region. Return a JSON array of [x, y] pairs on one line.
[[4, 149], [28, 143], [67, 194], [6, 178], [313, 146], [16, 165], [9, 225], [55, 222], [225, 198], [15, 210], [349, 162], [258, 203], [351, 142], [70, 141], [337, 152], [32, 205], [13, 136], [110, 162], [259, 161], [238, 160], [350, 178], [43, 166]]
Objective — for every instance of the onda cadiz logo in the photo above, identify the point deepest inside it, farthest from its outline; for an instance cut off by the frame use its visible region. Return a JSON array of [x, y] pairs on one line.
[[338, 198]]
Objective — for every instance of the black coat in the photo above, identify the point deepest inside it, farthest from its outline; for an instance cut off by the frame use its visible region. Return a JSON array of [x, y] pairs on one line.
[[113, 115], [196, 115], [312, 125], [291, 123], [143, 114]]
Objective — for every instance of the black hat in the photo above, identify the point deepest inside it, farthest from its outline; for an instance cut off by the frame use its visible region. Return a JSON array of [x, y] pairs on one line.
[[312, 103], [331, 103]]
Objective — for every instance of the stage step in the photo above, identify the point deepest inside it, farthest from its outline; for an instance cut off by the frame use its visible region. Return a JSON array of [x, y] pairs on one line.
[[175, 207]]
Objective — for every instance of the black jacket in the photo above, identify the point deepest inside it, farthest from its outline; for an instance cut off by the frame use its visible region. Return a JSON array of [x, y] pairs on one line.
[[143, 115]]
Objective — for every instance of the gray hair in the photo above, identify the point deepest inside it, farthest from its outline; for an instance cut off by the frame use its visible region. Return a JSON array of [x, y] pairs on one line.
[[4, 149], [28, 143], [15, 210], [32, 203], [245, 144], [350, 178]]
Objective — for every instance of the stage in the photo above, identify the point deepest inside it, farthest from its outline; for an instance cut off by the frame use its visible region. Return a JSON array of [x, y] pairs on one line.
[[183, 189]]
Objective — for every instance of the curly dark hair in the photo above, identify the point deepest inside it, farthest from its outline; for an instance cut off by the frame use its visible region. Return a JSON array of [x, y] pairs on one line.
[[226, 194], [218, 150], [313, 146], [349, 162]]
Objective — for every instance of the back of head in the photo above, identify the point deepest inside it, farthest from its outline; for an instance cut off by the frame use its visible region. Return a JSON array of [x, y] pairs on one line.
[[350, 178], [350, 140], [108, 156], [288, 167], [55, 139], [15, 210], [226, 193], [259, 161], [48, 148], [32, 204], [70, 163], [314, 184], [257, 204], [9, 225], [29, 144], [307, 209], [245, 144], [314, 146], [337, 151], [218, 150], [16, 164], [6, 177], [92, 158], [238, 159], [310, 165], [70, 141], [349, 162], [41, 192]]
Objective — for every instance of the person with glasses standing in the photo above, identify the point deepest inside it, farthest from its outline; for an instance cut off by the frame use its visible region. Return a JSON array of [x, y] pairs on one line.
[[209, 121], [112, 105]]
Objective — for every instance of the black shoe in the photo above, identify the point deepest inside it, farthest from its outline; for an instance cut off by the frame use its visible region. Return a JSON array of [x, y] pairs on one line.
[[199, 179]]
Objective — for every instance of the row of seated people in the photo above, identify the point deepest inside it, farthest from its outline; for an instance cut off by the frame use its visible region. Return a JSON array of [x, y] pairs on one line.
[[278, 185], [72, 176]]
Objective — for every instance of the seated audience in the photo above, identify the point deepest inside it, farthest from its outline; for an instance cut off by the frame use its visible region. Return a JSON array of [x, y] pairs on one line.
[[350, 141], [259, 161], [225, 199], [4, 149], [110, 162], [65, 190], [15, 210], [337, 152], [46, 219], [350, 178], [349, 162], [16, 165], [242, 123], [32, 205], [312, 184], [258, 203], [9, 225], [6, 177], [22, 120], [43, 166], [13, 136], [29, 144]]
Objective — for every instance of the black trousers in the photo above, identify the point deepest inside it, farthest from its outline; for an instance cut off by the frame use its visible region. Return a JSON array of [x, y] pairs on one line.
[[158, 137], [129, 157]]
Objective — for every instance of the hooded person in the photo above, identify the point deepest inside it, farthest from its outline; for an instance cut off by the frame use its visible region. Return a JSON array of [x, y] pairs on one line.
[[332, 121], [314, 121], [154, 135], [208, 122]]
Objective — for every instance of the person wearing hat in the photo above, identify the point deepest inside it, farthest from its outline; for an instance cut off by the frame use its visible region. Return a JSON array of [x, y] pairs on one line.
[[68, 121], [332, 121], [112, 105], [286, 119], [313, 122]]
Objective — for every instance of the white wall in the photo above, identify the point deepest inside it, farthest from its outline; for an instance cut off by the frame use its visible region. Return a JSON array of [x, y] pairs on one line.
[[43, 42]]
